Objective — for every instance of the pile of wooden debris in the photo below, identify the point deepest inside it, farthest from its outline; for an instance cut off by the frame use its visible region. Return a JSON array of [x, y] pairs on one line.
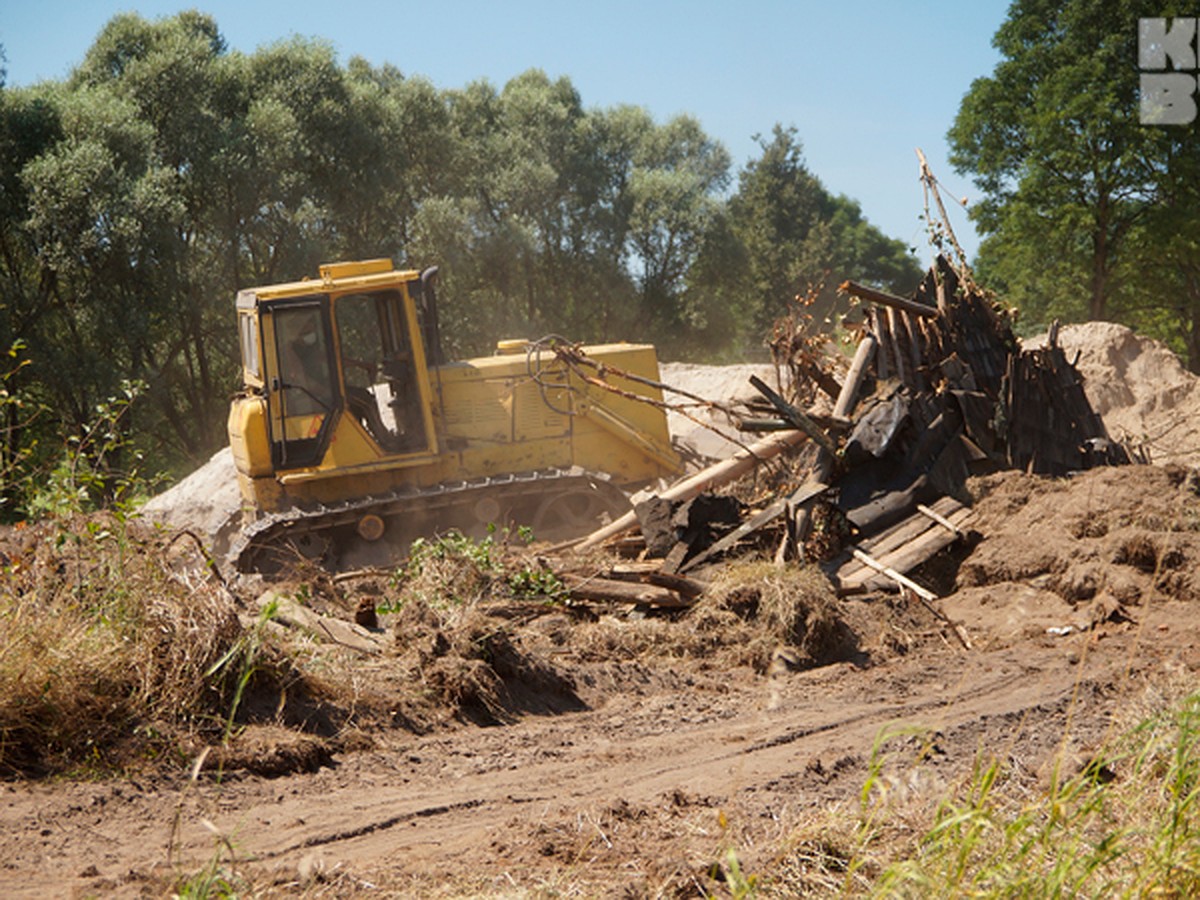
[[939, 389]]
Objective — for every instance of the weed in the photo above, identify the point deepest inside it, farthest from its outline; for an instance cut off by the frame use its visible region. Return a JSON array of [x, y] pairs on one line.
[[454, 570], [243, 659], [540, 583], [1127, 822], [98, 468], [218, 877]]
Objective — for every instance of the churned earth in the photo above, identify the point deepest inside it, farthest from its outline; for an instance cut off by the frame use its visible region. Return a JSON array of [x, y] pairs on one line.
[[614, 754]]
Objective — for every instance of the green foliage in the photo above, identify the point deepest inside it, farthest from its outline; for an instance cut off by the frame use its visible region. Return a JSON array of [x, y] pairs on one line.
[[242, 661], [539, 583], [798, 238], [18, 444], [453, 569], [98, 469], [1084, 206]]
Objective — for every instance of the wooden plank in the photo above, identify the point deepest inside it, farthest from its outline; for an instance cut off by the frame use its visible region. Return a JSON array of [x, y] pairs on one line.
[[923, 593], [901, 533], [883, 298], [799, 514], [794, 415], [914, 349], [917, 536], [939, 518], [897, 348]]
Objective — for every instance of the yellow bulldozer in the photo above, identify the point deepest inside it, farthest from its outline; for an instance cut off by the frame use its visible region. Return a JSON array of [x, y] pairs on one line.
[[352, 435]]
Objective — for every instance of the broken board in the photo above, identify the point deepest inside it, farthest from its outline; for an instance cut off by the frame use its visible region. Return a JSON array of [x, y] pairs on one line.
[[902, 547]]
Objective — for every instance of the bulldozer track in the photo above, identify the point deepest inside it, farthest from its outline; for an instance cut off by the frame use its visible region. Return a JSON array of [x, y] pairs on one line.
[[279, 530]]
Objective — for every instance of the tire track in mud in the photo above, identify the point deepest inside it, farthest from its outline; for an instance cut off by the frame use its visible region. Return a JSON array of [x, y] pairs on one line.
[[451, 795], [454, 814], [373, 827]]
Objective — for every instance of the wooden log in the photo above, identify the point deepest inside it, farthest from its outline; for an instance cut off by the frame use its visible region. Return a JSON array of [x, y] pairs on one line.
[[883, 298], [794, 415], [879, 326], [689, 588], [848, 395], [611, 591], [713, 477]]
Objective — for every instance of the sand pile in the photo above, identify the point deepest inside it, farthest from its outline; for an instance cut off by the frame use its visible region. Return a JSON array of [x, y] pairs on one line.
[[727, 386], [202, 502], [1139, 387]]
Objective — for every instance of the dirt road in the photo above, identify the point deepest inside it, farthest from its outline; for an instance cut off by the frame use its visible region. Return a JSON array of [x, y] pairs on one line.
[[627, 796]]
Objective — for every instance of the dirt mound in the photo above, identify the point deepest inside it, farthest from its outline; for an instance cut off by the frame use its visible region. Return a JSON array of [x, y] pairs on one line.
[[1067, 554], [204, 502], [1139, 387], [701, 437]]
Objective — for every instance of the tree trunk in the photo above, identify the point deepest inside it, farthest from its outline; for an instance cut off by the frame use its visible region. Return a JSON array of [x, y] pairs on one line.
[[1192, 326], [1098, 305]]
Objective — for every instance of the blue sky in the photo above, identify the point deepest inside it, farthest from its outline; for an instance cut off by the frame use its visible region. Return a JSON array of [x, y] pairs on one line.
[[863, 83]]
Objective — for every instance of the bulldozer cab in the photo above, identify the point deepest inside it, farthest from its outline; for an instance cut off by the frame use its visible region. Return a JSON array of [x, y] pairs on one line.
[[353, 350], [379, 374]]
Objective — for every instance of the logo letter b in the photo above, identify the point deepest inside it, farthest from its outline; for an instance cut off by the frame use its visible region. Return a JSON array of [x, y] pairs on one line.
[[1167, 99]]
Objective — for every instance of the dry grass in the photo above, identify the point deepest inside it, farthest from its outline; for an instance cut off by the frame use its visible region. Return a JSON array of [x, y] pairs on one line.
[[120, 651], [110, 651], [792, 609]]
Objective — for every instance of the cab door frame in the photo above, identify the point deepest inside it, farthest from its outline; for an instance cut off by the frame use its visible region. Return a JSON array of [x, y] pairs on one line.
[[299, 436]]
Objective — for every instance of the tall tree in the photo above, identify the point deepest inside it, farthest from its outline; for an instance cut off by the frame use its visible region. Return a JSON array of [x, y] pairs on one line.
[[799, 238], [1053, 139]]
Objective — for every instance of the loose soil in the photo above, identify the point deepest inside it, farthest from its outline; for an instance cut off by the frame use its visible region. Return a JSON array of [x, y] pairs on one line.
[[614, 754]]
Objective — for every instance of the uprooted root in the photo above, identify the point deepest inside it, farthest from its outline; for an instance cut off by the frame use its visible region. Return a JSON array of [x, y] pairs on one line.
[[473, 666]]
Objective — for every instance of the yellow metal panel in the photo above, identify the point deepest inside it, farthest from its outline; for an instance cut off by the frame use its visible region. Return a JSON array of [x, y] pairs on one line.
[[349, 445], [247, 428], [334, 271]]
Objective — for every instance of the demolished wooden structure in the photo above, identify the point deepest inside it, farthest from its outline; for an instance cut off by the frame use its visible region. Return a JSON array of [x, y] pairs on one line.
[[939, 389]]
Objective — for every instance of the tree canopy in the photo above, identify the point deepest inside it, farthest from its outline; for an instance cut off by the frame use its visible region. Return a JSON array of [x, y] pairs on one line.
[[167, 171], [1088, 211]]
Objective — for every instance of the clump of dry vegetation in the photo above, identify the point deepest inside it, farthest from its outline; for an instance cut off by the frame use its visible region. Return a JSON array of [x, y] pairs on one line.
[[113, 655], [793, 610], [124, 649]]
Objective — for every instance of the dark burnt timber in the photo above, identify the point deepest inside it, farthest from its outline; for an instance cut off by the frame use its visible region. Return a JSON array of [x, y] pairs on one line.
[[1058, 432], [954, 394]]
